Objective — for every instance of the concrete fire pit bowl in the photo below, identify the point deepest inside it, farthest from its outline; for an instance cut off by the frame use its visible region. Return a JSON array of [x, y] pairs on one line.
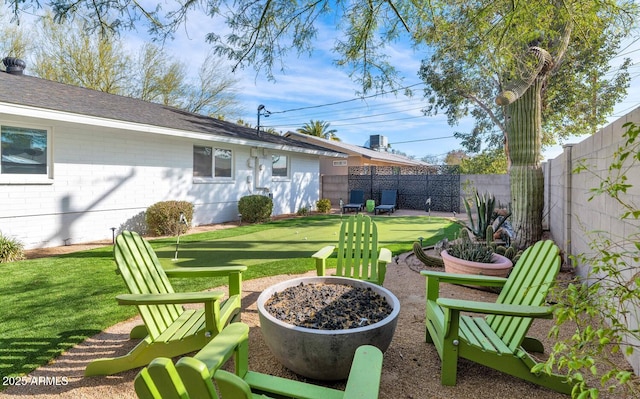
[[323, 354]]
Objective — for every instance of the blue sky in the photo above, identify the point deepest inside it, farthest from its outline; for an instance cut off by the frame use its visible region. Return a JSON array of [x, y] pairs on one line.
[[309, 82]]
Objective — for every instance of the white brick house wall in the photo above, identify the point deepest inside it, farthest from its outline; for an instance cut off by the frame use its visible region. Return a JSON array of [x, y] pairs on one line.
[[106, 177]]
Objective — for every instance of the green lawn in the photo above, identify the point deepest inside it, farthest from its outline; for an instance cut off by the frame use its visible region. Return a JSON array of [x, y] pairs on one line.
[[51, 304]]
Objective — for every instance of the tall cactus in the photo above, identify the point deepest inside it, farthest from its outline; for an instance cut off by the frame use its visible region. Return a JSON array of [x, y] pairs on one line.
[[523, 110]]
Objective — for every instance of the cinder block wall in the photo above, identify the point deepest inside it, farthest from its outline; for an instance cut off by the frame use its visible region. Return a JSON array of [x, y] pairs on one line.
[[498, 185], [576, 219]]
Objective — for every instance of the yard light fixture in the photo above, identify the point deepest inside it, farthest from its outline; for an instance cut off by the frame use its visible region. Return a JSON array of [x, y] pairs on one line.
[[262, 111], [181, 220]]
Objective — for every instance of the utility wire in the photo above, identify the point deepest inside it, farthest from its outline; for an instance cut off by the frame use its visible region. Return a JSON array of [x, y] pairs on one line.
[[430, 139], [346, 101]]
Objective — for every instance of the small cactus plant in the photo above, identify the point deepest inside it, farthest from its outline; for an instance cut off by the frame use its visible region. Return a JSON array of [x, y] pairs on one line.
[[428, 260], [471, 251]]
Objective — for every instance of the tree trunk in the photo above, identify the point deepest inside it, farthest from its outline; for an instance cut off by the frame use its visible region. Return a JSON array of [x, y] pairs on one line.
[[524, 132]]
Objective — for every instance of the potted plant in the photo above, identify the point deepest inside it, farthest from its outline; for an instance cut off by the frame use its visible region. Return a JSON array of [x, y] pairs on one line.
[[468, 257]]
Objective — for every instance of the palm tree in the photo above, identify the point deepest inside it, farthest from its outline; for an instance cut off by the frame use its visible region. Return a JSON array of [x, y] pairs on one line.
[[319, 129]]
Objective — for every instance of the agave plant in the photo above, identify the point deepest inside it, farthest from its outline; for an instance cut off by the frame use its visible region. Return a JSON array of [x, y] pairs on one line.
[[485, 206]]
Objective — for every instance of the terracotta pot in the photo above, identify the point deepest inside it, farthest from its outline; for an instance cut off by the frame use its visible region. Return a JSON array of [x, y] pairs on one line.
[[500, 267]]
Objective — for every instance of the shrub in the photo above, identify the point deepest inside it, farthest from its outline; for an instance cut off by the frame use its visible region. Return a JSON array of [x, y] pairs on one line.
[[255, 208], [10, 249], [304, 211], [163, 218], [323, 205]]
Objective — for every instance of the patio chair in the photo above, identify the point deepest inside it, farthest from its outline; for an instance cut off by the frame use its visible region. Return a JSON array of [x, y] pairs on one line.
[[168, 330], [387, 202], [196, 377], [356, 201], [498, 340], [358, 253]]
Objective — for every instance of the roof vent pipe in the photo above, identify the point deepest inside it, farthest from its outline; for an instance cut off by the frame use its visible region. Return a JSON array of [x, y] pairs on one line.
[[15, 66]]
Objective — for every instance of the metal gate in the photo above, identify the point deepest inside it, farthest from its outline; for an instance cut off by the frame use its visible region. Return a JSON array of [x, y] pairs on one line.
[[416, 185]]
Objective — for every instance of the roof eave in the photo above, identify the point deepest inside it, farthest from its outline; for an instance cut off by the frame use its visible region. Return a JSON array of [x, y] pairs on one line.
[[69, 117]]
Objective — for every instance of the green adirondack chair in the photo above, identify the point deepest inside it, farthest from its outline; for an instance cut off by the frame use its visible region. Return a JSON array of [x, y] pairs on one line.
[[358, 254], [498, 340], [191, 377], [168, 330]]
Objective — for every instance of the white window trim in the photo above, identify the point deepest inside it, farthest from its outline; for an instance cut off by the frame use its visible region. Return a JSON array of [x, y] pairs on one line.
[[282, 178], [213, 179], [31, 179]]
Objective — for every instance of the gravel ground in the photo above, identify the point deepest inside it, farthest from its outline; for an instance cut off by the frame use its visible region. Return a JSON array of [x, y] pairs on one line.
[[411, 368]]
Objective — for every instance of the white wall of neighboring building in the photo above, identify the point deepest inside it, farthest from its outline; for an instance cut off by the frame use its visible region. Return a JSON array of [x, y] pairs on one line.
[[105, 177]]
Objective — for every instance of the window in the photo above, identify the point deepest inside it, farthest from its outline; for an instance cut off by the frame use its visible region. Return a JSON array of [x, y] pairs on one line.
[[24, 152], [279, 166], [211, 162], [222, 162]]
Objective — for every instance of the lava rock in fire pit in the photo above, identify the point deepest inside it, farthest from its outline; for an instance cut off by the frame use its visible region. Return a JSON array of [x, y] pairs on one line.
[[328, 306]]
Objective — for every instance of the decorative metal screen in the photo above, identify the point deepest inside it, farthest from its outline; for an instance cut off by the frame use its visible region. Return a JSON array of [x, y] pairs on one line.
[[415, 185]]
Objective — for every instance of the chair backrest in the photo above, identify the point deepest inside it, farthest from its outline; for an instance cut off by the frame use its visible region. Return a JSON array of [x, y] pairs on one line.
[[389, 197], [190, 378], [528, 284], [356, 197], [358, 248], [143, 274], [162, 380]]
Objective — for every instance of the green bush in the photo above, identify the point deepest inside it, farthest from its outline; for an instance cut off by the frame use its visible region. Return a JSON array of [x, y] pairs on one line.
[[163, 218], [10, 249], [304, 211], [255, 208], [323, 205]]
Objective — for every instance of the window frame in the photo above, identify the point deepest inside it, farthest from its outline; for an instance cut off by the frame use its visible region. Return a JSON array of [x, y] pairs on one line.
[[27, 178], [213, 178], [288, 164]]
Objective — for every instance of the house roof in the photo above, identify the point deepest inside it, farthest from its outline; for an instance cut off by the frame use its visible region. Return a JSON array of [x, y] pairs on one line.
[[352, 149], [29, 93]]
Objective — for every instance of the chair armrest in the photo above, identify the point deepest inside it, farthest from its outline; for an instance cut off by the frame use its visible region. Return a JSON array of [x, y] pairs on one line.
[[454, 278], [204, 271], [324, 252], [542, 312], [364, 377], [223, 346], [385, 255], [175, 298]]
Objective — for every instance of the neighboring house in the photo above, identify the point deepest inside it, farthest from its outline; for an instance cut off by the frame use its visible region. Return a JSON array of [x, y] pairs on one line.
[[357, 156], [76, 163]]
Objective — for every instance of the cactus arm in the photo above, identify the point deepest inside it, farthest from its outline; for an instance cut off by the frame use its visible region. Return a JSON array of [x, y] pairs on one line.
[[543, 62]]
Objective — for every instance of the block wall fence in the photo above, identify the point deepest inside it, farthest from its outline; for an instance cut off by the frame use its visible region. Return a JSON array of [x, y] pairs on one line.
[[574, 219], [571, 217]]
